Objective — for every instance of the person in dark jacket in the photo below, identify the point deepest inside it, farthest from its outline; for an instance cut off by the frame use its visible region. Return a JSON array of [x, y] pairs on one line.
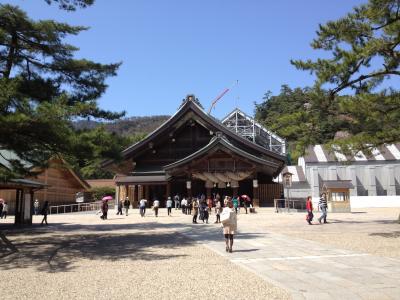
[[126, 205], [104, 210], [119, 208], [44, 212]]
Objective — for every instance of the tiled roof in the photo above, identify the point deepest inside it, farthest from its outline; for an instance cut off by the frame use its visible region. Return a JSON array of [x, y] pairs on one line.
[[320, 153]]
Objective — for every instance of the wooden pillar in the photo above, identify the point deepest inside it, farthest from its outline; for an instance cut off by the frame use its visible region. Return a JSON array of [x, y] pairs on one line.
[[208, 192], [256, 196], [189, 188], [140, 192], [126, 191], [134, 195], [235, 191], [117, 195], [147, 192]]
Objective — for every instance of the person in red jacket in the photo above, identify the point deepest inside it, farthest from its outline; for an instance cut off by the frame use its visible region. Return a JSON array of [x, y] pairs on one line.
[[309, 209]]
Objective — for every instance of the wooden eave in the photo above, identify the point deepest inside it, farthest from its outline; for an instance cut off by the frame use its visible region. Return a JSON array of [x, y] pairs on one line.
[[208, 119], [218, 142]]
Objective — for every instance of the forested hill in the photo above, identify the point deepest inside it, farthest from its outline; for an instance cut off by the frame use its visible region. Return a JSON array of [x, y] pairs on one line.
[[128, 126]]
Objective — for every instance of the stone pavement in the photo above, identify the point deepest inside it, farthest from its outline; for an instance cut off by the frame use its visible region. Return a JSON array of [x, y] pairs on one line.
[[307, 269]]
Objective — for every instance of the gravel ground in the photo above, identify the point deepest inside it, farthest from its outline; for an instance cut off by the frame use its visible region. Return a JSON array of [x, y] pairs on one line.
[[80, 256], [375, 230], [141, 261]]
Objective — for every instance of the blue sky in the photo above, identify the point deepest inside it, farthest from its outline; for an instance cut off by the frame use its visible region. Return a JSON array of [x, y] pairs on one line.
[[172, 48]]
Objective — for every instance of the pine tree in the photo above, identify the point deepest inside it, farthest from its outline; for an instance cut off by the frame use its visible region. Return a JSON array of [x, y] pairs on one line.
[[365, 52], [43, 88]]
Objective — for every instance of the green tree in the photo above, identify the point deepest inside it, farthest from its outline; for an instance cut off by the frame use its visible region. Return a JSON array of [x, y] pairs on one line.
[[99, 192], [365, 51], [43, 88], [71, 5], [291, 115], [364, 47]]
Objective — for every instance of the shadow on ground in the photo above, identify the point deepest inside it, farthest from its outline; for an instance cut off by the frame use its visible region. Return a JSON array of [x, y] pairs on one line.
[[57, 252], [56, 247], [391, 235]]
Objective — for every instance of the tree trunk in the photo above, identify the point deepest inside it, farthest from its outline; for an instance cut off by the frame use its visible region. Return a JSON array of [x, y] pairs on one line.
[[11, 55]]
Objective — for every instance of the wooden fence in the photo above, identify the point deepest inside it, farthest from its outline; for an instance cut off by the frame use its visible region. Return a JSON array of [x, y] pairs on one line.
[[268, 192]]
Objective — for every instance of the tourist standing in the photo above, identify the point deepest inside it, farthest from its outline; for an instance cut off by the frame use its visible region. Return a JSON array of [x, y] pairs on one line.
[[156, 205], [195, 206], [176, 200], [184, 205], [309, 209], [235, 202], [210, 204], [126, 205], [5, 210], [229, 225], [36, 206], [169, 206], [189, 206], [323, 206], [44, 212], [245, 205], [142, 207], [205, 213], [1, 207], [218, 210], [119, 212], [202, 209]]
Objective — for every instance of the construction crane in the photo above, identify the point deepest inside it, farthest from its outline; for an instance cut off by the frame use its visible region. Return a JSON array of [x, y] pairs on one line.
[[214, 102]]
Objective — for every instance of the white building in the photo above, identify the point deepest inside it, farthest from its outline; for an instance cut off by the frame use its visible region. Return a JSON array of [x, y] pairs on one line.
[[375, 178]]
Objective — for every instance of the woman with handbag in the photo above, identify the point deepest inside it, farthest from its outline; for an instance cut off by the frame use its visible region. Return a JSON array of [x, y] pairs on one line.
[[309, 209], [229, 224]]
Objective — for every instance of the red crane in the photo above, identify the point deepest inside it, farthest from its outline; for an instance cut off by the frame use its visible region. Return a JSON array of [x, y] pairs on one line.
[[220, 96]]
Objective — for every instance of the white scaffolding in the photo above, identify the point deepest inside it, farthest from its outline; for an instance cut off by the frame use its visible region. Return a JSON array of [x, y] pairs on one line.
[[245, 126]]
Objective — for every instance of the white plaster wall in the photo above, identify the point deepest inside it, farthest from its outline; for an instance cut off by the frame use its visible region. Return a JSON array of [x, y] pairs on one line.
[[374, 201]]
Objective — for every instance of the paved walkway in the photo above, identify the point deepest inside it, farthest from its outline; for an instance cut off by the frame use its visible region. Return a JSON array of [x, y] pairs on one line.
[[308, 270]]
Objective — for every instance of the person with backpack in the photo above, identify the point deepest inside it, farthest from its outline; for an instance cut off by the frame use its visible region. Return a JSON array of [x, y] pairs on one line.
[[229, 224]]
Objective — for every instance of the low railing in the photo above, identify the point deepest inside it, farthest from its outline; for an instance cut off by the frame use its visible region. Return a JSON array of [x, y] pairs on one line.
[[282, 205], [77, 207]]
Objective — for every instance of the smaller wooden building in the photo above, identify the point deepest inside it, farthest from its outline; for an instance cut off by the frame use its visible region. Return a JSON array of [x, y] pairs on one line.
[[23, 191], [59, 183], [338, 195]]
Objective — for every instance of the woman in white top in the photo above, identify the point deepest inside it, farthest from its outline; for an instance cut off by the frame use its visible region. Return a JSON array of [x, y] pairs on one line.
[[142, 207], [5, 210], [230, 227], [156, 205]]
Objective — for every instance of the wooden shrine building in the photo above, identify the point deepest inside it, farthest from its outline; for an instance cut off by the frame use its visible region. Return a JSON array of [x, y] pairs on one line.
[[191, 154]]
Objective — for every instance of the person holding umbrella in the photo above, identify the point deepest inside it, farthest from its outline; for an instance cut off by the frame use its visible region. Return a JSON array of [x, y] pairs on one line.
[[246, 201], [104, 207]]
